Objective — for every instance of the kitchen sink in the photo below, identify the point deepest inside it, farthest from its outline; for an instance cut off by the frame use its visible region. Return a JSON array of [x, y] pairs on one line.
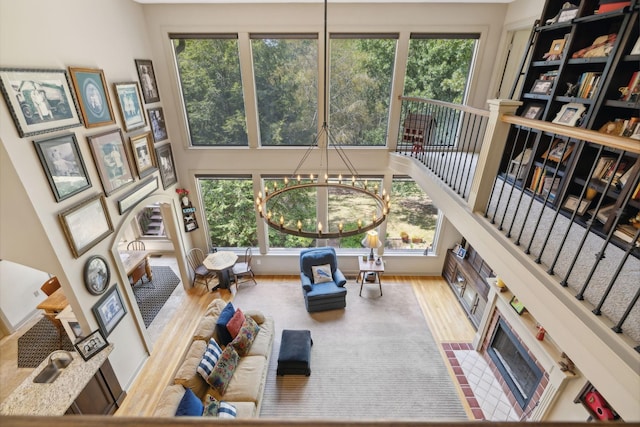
[[51, 371]]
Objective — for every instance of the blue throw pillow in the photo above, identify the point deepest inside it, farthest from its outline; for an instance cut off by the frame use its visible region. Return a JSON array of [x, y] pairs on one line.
[[224, 336], [190, 405]]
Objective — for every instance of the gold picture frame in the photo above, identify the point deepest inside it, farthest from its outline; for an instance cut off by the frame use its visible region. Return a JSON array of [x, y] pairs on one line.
[[86, 224], [91, 90], [143, 154]]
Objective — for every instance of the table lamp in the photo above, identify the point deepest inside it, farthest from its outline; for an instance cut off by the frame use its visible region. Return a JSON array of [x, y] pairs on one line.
[[371, 241]]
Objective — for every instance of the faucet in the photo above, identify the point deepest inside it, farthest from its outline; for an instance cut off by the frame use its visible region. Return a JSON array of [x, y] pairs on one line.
[[61, 362]]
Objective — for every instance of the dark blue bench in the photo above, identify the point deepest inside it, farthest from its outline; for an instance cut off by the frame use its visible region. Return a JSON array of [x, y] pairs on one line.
[[295, 353]]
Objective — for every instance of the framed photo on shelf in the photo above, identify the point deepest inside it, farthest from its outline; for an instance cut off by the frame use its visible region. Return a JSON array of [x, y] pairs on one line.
[[555, 50], [147, 81], [39, 101], [130, 105], [569, 114], [158, 127], [142, 148], [559, 150], [86, 224], [63, 164], [461, 253], [542, 87], [517, 305], [571, 203], [91, 89], [533, 111], [112, 160], [164, 157], [96, 275], [109, 310], [91, 345], [567, 14]]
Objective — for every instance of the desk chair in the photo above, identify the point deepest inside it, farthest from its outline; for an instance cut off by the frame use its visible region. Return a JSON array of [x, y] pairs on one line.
[[200, 273], [243, 269], [136, 245]]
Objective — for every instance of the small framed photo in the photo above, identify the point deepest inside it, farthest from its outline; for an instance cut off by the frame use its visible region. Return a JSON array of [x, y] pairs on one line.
[[91, 89], [130, 105], [569, 114], [559, 150], [164, 157], [542, 87], [112, 160], [462, 252], [567, 14], [110, 310], [40, 101], [533, 111], [91, 345], [517, 305], [158, 127], [86, 224], [143, 155], [96, 275], [63, 164], [147, 81], [556, 47], [575, 205]]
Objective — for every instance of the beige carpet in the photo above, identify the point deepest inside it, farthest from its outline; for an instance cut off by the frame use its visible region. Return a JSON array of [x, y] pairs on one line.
[[376, 359]]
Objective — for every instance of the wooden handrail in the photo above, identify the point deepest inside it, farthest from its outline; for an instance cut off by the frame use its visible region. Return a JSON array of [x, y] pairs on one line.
[[612, 141], [466, 108]]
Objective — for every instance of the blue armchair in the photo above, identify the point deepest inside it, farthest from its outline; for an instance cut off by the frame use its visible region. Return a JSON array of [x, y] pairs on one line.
[[325, 291]]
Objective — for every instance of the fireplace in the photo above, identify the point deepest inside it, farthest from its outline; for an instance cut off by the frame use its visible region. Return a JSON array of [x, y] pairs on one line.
[[515, 364]]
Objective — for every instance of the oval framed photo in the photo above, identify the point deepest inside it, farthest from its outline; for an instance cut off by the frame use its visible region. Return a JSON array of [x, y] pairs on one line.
[[96, 275]]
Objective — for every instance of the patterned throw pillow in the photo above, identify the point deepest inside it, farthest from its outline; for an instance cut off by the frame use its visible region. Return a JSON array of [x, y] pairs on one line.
[[235, 323], [226, 410], [242, 343], [223, 370], [321, 273], [220, 409], [209, 359]]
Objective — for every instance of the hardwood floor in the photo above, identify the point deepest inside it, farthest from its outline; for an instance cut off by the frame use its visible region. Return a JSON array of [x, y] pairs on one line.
[[443, 314]]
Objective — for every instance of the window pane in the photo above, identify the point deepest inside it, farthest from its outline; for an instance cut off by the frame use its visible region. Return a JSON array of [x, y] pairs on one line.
[[413, 217], [293, 206], [286, 76], [439, 68], [209, 73], [360, 90], [229, 211]]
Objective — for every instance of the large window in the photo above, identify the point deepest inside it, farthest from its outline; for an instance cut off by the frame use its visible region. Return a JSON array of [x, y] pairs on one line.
[[360, 87], [439, 65], [228, 207], [286, 77], [413, 219], [209, 72]]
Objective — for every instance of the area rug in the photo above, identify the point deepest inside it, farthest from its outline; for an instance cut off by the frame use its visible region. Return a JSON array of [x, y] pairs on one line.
[[376, 359], [151, 296], [38, 342]]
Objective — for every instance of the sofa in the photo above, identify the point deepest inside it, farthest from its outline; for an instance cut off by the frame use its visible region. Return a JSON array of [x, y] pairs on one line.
[[322, 281], [243, 392]]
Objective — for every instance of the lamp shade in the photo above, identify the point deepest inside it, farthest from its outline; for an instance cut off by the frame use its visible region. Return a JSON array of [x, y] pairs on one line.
[[371, 240]]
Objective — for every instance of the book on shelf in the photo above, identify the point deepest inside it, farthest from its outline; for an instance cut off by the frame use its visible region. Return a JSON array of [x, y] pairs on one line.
[[630, 92], [626, 232], [610, 6], [603, 213], [636, 193], [613, 174], [588, 84], [604, 163]]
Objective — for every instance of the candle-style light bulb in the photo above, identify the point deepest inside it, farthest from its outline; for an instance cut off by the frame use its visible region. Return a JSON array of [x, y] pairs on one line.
[[359, 223], [373, 217], [260, 210], [340, 178], [275, 186], [320, 227], [340, 226], [269, 215], [299, 225], [311, 177], [281, 220], [365, 184], [353, 180], [286, 181], [259, 194], [375, 188], [384, 192], [326, 178], [298, 179]]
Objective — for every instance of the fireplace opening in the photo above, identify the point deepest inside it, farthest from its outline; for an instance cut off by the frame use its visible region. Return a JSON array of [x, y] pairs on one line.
[[517, 367]]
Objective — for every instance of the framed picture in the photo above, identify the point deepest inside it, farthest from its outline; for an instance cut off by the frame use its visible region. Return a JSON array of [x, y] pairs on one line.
[[517, 305], [96, 275], [91, 345], [556, 47], [110, 310], [572, 204], [569, 114], [112, 159], [142, 148], [63, 164], [156, 118], [636, 48], [91, 89], [39, 101], [542, 87], [164, 156], [462, 252], [147, 80], [559, 150], [86, 224], [567, 14], [130, 105], [137, 194], [533, 111]]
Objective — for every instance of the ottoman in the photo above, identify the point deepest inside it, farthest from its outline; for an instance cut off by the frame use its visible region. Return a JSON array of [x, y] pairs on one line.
[[295, 352]]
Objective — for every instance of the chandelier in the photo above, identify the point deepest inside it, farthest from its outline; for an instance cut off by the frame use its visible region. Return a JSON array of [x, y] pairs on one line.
[[323, 140]]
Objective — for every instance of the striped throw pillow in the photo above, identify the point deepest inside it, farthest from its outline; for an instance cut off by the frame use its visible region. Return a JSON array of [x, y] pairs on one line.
[[226, 410], [209, 359]]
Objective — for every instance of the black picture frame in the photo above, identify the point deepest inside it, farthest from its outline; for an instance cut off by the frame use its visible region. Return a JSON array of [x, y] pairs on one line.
[[533, 111], [96, 275], [39, 100], [63, 165], [147, 78], [109, 310], [158, 126], [91, 345], [542, 87], [517, 305], [164, 157]]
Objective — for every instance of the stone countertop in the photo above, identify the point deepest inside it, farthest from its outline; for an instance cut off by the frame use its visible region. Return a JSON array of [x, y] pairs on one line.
[[55, 398]]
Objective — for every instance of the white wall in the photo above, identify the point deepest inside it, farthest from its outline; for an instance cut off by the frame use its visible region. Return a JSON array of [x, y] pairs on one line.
[[19, 293]]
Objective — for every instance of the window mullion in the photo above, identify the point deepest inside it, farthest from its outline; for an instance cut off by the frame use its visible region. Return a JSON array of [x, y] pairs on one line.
[[249, 89]]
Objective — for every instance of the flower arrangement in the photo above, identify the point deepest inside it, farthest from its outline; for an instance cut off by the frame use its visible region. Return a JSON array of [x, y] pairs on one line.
[[182, 192]]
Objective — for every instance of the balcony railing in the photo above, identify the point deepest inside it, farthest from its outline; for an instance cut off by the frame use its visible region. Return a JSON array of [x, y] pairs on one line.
[[466, 149]]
